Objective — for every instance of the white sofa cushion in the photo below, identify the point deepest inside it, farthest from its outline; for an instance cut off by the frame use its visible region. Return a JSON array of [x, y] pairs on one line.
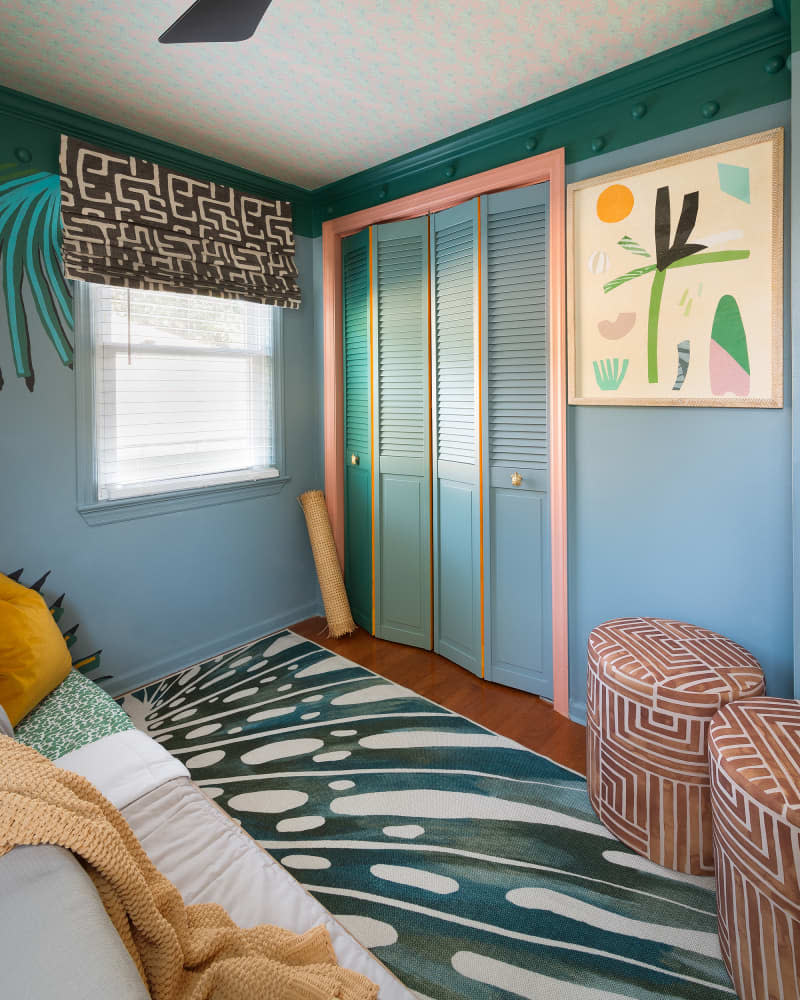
[[204, 852], [124, 766], [212, 860]]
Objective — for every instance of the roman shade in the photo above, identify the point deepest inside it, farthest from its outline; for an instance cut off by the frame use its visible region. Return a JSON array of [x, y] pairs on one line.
[[135, 224]]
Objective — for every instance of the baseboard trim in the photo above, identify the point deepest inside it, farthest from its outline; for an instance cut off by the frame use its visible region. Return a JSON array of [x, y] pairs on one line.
[[577, 711], [149, 672]]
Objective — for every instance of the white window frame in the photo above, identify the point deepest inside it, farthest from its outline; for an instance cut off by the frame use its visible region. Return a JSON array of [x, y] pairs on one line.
[[95, 511]]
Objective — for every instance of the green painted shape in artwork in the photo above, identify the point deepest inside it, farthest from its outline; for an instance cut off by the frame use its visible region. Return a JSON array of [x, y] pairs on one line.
[[728, 331], [632, 246], [607, 373], [656, 293], [734, 181], [715, 257]]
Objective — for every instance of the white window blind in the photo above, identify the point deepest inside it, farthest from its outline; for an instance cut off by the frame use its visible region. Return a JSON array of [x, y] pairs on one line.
[[184, 391]]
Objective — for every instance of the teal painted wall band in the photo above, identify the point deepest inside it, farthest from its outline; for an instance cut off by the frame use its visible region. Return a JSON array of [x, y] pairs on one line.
[[726, 66]]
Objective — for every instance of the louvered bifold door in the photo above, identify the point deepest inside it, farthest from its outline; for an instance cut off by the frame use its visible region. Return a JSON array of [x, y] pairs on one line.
[[517, 592], [456, 435], [357, 472], [401, 415]]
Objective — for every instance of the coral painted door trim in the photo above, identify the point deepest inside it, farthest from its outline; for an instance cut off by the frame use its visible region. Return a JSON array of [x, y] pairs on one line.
[[532, 170]]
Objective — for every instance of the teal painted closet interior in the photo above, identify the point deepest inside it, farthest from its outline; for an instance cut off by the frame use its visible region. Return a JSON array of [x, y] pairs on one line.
[[456, 538], [358, 465]]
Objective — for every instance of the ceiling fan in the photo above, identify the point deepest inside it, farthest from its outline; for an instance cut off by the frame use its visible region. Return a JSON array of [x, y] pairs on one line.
[[216, 21]]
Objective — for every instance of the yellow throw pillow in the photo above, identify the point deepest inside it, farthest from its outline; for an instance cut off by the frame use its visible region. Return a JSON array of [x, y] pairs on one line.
[[34, 658]]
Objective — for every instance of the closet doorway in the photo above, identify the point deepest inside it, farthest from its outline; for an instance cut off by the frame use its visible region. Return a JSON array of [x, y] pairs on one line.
[[444, 420]]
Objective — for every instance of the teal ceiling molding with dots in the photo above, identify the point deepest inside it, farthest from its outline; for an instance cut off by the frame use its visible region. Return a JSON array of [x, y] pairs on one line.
[[326, 89], [734, 69], [730, 70]]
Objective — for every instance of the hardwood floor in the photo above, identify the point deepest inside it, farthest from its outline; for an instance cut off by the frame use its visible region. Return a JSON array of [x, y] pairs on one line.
[[520, 716]]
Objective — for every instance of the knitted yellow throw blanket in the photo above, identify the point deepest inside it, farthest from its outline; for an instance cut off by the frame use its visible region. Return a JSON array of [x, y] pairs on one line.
[[182, 952]]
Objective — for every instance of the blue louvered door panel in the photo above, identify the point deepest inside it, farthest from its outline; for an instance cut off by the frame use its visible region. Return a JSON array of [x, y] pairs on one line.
[[456, 478], [517, 593], [357, 472], [401, 414]]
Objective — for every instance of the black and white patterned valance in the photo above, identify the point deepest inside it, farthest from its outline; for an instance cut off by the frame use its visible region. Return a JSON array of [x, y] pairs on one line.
[[133, 223]]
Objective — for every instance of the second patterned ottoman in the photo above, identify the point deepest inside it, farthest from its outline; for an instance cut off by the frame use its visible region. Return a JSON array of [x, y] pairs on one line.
[[653, 687], [754, 751]]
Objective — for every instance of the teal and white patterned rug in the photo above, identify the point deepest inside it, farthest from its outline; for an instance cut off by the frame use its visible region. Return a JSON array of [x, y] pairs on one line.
[[471, 866]]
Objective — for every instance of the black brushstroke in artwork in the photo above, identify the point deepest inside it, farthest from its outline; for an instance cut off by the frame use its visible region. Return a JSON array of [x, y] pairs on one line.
[[666, 254]]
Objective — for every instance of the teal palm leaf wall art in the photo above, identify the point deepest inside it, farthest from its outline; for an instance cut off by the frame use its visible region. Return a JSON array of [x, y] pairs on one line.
[[30, 252]]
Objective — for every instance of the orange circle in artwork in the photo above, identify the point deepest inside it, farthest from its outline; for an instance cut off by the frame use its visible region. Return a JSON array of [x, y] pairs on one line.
[[615, 203]]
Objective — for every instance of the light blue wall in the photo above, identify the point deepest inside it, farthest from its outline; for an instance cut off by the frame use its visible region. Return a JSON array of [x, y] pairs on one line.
[[683, 513], [673, 512], [161, 592]]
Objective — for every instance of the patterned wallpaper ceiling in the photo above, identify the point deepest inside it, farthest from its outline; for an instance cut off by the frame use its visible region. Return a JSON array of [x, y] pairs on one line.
[[330, 87]]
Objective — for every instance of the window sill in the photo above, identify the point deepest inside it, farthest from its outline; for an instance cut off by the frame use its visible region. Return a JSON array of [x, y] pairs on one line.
[[111, 511]]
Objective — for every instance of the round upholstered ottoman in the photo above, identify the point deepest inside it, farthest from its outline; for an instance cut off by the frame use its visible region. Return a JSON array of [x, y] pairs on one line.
[[754, 755], [653, 687]]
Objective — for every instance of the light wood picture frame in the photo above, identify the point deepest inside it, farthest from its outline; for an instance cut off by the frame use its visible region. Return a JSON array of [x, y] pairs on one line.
[[675, 280]]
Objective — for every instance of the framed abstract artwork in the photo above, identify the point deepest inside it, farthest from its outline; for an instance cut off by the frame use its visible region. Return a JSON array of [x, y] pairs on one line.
[[675, 280]]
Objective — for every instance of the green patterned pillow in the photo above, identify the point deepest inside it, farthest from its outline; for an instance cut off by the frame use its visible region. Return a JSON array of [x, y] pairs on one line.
[[78, 712]]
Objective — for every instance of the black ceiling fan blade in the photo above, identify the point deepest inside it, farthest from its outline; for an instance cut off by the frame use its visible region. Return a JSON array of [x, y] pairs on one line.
[[216, 21]]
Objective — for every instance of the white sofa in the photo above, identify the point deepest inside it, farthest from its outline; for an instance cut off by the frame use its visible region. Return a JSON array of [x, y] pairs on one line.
[[60, 943]]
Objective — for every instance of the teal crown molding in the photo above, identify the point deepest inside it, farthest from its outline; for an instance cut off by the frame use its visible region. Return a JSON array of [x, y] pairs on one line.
[[45, 122], [664, 93], [783, 8], [719, 74]]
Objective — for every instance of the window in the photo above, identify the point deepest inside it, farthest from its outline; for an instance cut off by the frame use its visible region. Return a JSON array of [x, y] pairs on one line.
[[185, 397]]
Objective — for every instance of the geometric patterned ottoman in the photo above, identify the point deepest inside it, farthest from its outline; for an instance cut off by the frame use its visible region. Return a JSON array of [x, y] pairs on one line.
[[754, 751], [653, 688]]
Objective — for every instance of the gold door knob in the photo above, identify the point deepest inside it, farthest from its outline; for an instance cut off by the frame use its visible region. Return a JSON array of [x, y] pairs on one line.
[[354, 459], [516, 479]]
